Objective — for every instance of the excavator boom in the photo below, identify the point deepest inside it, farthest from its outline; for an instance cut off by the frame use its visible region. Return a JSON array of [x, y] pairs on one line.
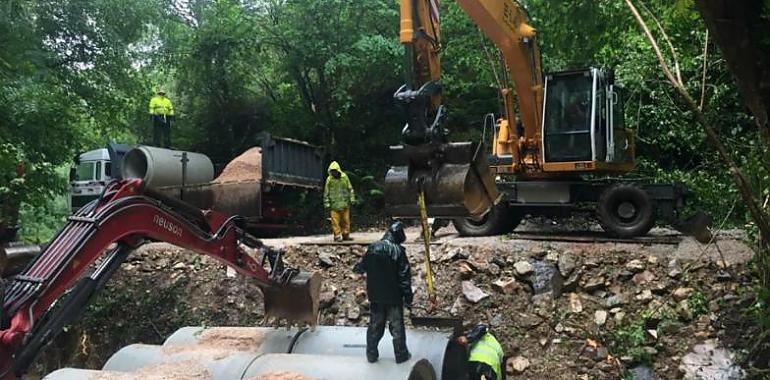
[[126, 216], [505, 23]]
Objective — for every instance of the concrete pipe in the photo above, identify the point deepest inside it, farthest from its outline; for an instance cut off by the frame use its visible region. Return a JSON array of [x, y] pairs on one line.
[[316, 367], [17, 257], [222, 364], [73, 374], [164, 167], [219, 363], [320, 367], [272, 340], [446, 356]]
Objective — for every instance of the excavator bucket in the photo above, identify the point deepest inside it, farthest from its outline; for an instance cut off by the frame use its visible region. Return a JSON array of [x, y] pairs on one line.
[[295, 300], [697, 226], [454, 176]]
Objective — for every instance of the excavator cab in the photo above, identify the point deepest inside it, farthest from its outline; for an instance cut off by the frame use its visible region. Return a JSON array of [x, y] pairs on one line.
[[583, 126]]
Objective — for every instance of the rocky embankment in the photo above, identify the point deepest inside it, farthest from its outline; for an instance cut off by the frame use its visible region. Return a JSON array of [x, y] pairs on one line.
[[561, 310]]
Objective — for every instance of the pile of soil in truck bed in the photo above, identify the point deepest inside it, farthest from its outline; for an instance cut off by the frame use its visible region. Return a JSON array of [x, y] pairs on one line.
[[246, 167]]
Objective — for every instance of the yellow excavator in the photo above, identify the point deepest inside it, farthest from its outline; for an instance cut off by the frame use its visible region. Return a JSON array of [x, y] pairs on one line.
[[569, 127]]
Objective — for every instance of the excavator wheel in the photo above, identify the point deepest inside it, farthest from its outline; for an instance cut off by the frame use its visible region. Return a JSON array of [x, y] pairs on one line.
[[500, 219], [625, 210]]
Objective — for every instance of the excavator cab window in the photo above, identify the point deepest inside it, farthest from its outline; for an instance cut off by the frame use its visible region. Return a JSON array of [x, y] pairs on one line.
[[620, 139], [601, 118], [567, 122]]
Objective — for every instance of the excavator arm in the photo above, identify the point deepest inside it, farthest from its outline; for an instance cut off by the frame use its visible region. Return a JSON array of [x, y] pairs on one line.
[[505, 23], [422, 91], [453, 176], [126, 216]]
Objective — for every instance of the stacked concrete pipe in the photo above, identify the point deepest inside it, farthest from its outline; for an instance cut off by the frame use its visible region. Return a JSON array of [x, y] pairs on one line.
[[328, 352], [165, 167]]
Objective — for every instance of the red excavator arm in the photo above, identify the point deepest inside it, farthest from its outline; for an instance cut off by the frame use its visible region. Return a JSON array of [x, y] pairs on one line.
[[126, 216]]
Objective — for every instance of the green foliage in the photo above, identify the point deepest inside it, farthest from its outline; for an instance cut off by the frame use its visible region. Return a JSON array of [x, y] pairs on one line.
[[698, 304], [631, 338], [80, 73], [40, 223], [67, 83]]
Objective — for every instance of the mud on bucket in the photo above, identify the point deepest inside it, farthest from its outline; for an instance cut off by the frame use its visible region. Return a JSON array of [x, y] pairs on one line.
[[455, 177], [295, 301]]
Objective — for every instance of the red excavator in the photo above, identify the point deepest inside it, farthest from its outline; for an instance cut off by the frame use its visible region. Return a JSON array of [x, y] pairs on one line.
[[96, 241]]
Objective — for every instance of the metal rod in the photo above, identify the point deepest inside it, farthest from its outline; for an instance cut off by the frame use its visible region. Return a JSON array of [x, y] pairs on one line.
[[426, 242]]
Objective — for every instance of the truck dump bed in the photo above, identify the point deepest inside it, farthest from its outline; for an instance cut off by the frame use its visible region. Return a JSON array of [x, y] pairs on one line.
[[283, 163]]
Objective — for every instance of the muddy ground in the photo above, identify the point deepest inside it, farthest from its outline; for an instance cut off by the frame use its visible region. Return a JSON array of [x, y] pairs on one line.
[[562, 310]]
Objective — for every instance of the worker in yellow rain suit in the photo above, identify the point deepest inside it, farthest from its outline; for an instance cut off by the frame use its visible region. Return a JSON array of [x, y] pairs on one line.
[[161, 114], [338, 196], [485, 358]]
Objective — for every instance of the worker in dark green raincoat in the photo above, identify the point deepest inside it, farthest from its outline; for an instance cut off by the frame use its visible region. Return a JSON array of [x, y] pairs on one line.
[[389, 288]]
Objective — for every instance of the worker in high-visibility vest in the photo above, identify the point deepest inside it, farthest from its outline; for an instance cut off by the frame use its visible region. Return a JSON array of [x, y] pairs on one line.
[[162, 114], [338, 197], [485, 359]]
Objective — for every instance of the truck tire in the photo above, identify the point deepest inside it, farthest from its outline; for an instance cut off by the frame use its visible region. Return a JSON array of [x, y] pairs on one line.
[[499, 220], [625, 210]]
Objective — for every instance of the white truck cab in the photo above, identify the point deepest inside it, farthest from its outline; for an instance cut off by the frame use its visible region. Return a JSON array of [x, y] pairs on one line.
[[93, 170]]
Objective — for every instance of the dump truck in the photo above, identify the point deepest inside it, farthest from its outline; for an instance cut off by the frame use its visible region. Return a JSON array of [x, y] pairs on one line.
[[254, 186]]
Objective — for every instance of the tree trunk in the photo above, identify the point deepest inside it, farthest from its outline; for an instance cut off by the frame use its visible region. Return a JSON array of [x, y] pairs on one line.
[[744, 188], [739, 28]]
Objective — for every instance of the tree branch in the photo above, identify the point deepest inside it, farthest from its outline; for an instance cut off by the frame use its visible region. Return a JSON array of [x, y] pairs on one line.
[[744, 188], [705, 69], [655, 47], [668, 42]]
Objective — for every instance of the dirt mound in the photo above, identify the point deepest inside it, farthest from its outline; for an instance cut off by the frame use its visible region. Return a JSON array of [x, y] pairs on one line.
[[186, 370], [281, 375], [246, 167]]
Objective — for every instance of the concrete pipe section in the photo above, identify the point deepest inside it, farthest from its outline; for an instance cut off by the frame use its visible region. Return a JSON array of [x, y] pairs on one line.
[[246, 353], [165, 167], [446, 356], [340, 367], [315, 367]]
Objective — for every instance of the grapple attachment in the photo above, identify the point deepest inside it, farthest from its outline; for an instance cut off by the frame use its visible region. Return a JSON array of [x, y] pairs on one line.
[[294, 299], [454, 176]]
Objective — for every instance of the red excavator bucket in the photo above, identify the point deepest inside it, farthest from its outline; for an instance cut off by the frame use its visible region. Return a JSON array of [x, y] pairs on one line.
[[454, 176], [296, 300]]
